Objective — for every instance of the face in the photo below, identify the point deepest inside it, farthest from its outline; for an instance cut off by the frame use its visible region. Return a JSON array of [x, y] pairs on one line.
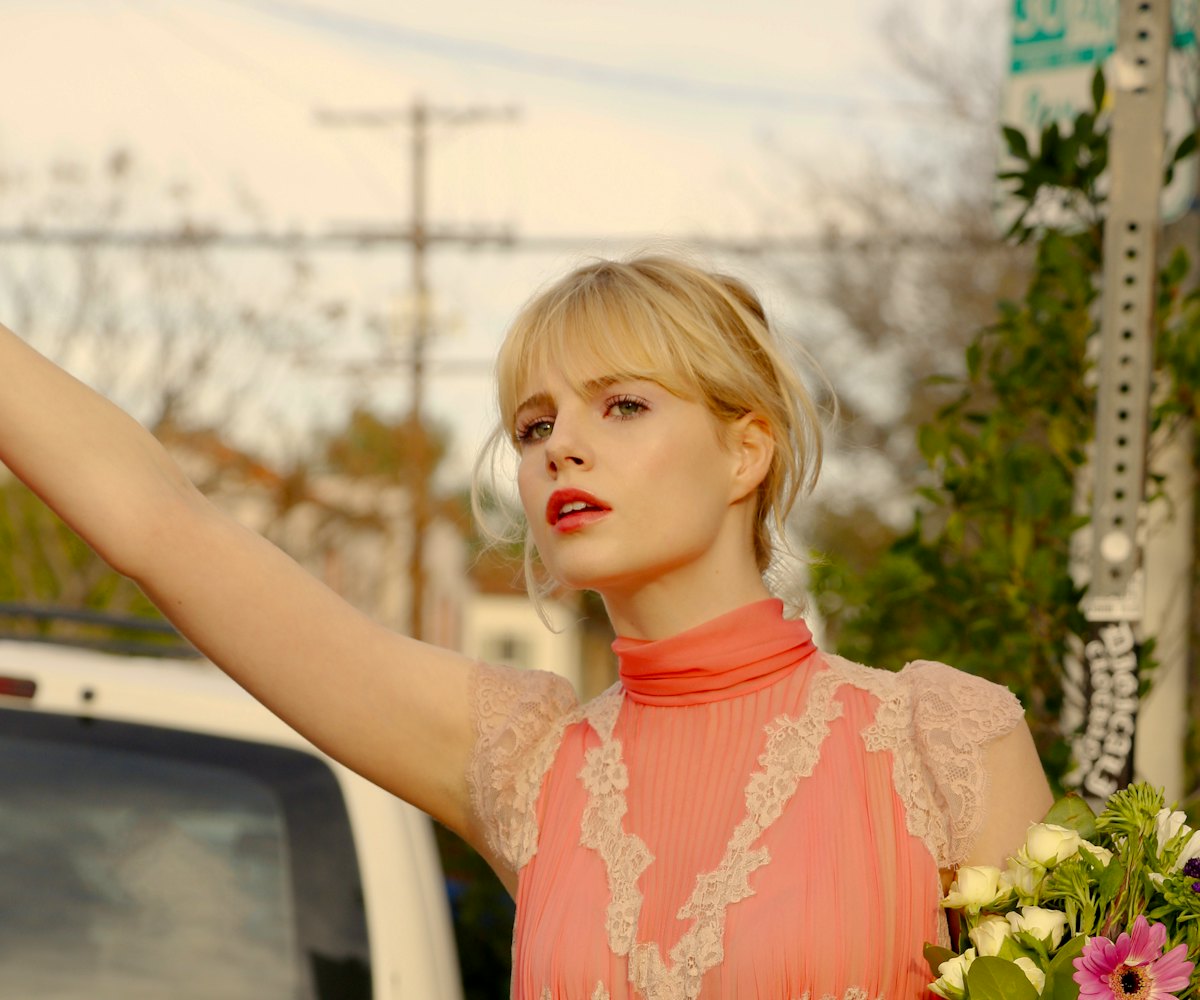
[[624, 484]]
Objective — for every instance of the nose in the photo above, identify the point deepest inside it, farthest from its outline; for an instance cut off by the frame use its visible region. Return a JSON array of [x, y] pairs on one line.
[[566, 447]]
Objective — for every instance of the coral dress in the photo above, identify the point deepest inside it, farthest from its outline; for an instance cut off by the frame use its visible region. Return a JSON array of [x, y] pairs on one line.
[[742, 816]]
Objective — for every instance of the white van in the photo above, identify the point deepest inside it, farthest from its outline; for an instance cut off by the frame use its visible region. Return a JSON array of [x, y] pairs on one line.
[[163, 835]]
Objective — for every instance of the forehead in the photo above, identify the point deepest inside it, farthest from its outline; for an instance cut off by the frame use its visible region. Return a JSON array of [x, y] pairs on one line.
[[583, 358]]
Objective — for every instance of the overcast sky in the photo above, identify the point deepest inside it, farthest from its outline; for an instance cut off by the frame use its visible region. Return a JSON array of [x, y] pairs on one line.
[[654, 117]]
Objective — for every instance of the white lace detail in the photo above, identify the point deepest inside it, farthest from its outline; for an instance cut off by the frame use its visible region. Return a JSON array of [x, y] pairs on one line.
[[601, 993], [936, 721], [853, 993], [519, 718], [792, 750], [625, 855]]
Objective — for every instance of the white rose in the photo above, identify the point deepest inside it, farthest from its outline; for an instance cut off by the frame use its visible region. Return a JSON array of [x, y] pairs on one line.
[[1047, 844], [1025, 879], [975, 886], [1041, 923], [952, 981], [1035, 975], [989, 934], [1167, 824], [1101, 854]]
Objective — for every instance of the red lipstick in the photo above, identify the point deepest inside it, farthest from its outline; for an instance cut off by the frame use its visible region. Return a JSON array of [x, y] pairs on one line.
[[592, 509]]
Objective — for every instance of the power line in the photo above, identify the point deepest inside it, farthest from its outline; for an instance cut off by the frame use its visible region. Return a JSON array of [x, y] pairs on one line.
[[388, 238], [558, 67]]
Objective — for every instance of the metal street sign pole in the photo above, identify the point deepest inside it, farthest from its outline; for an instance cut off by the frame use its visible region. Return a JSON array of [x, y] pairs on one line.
[[1103, 666]]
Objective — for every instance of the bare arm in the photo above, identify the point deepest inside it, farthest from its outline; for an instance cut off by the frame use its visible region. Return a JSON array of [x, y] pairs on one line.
[[391, 708], [1018, 795]]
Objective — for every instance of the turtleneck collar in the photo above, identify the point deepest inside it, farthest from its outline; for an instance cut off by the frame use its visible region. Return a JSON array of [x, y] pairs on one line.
[[735, 654]]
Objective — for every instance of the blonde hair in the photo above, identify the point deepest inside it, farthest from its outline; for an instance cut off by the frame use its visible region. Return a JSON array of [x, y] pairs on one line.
[[702, 335]]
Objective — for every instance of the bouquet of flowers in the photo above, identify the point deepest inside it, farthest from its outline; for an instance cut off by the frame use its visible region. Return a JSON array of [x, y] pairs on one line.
[[1093, 907]]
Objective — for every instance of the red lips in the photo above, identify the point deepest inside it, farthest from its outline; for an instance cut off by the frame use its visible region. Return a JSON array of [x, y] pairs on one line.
[[560, 498]]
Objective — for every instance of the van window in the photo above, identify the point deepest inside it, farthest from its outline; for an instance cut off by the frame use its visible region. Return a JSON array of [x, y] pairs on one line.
[[140, 862]]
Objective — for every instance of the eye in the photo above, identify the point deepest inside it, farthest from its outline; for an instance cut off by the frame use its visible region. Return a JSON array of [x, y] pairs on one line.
[[534, 430], [625, 407]]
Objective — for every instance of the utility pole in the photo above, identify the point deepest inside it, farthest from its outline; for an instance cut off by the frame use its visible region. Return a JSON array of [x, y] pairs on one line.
[[420, 237], [1102, 669]]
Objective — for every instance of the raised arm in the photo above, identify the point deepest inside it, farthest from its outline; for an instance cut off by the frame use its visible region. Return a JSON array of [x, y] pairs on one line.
[[391, 708]]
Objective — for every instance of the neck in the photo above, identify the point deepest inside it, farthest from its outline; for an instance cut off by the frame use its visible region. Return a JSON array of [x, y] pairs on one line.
[[664, 608]]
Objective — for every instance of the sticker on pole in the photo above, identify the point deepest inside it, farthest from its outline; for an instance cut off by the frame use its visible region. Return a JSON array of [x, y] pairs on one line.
[[1100, 707]]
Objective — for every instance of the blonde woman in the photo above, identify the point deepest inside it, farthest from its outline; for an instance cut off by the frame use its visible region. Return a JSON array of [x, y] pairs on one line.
[[742, 815]]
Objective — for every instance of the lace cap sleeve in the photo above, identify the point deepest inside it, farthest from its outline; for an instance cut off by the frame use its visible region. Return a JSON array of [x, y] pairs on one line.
[[519, 718], [954, 716]]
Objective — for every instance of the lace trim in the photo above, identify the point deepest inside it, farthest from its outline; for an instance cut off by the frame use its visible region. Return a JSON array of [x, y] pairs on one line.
[[625, 855], [955, 716], [936, 722], [519, 719], [792, 750]]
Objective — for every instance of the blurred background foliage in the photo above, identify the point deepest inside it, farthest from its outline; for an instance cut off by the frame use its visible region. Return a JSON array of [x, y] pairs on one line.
[[980, 575]]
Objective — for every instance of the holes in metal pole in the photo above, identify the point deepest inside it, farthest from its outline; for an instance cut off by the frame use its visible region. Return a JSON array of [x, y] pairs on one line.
[[1122, 415], [1132, 227], [1127, 334], [1131, 253], [1130, 279], [1122, 441], [1126, 307]]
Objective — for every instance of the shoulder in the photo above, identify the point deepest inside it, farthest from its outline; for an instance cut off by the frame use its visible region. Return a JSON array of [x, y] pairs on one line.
[[950, 734], [935, 698], [933, 688]]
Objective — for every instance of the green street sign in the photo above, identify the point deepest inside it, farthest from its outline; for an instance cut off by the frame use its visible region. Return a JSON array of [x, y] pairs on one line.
[[1050, 34], [1056, 45]]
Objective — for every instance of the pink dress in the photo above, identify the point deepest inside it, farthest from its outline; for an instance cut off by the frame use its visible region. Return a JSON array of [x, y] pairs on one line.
[[742, 816]]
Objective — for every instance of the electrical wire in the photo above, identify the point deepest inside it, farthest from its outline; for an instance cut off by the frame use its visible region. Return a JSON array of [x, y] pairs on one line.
[[557, 67], [284, 90]]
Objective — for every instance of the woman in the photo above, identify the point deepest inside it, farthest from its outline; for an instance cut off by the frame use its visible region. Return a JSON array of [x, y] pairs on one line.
[[742, 816]]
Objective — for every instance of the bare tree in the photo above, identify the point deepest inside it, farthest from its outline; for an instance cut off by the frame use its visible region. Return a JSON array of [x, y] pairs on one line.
[[913, 264], [174, 334]]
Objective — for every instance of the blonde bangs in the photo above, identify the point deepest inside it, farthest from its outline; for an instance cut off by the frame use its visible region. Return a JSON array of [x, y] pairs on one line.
[[585, 330]]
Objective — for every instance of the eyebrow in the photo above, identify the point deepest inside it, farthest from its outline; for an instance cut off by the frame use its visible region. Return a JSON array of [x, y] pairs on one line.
[[543, 400]]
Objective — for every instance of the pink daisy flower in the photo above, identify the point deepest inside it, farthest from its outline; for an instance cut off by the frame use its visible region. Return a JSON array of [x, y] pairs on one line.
[[1133, 967]]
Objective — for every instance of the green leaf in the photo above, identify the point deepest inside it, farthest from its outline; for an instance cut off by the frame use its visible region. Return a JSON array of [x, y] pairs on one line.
[[1017, 144], [935, 955], [1098, 87], [1186, 148], [1073, 812], [1060, 984], [991, 978]]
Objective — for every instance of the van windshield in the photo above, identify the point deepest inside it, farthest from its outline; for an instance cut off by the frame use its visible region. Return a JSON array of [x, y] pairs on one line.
[[139, 862]]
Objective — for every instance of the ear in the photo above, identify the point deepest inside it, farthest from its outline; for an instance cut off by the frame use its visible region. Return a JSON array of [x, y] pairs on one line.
[[753, 447]]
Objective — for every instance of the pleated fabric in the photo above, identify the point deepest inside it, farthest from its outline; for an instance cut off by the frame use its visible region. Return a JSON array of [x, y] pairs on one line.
[[734, 820]]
